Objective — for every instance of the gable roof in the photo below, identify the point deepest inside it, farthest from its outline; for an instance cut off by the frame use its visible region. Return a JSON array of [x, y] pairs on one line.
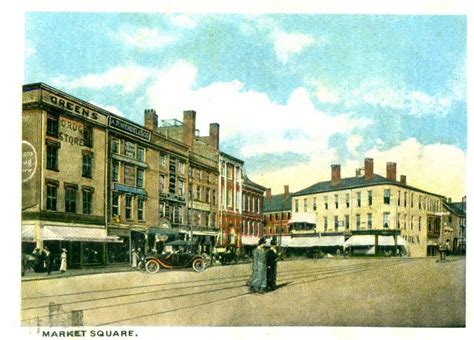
[[352, 183], [456, 208]]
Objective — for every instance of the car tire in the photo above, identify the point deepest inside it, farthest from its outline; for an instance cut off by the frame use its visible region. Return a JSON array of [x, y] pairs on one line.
[[152, 266], [199, 265]]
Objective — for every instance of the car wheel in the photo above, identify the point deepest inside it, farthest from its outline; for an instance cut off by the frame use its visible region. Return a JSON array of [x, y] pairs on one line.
[[198, 265], [152, 266]]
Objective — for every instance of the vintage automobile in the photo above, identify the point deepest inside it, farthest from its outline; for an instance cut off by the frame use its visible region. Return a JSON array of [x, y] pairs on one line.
[[179, 255], [225, 255]]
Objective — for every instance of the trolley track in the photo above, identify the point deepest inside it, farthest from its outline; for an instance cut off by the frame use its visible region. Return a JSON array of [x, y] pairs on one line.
[[287, 277]]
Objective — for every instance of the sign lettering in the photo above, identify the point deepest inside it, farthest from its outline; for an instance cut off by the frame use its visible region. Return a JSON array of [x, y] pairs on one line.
[[129, 128], [73, 107], [29, 161]]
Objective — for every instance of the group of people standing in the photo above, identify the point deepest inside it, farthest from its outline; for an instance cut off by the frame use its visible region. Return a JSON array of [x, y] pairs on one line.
[[41, 261], [264, 268]]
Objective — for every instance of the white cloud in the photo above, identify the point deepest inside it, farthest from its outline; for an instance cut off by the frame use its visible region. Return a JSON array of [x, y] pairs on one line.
[[109, 108], [353, 142], [324, 94], [253, 115], [144, 37], [30, 49], [126, 77], [436, 168], [288, 44], [182, 20]]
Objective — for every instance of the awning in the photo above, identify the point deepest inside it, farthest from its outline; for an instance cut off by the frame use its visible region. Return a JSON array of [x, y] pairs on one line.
[[162, 231], [249, 240], [55, 233], [369, 240], [303, 218], [27, 233], [302, 242], [204, 233]]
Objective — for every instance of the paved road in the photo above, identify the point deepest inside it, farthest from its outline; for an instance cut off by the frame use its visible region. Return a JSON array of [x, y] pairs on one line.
[[326, 292]]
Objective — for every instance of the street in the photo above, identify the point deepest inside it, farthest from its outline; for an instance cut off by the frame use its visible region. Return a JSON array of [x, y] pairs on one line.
[[395, 292]]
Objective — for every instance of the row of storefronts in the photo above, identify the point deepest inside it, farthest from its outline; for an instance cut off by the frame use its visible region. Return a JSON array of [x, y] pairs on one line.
[[99, 185]]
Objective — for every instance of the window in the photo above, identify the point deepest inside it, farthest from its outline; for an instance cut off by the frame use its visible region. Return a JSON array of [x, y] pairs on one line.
[[70, 199], [140, 177], [115, 146], [51, 196], [214, 197], [419, 202], [419, 223], [88, 134], [52, 156], [181, 187], [346, 222], [140, 208], [325, 223], [405, 221], [87, 201], [398, 221], [405, 199], [208, 195], [369, 221], [370, 197], [336, 201], [386, 220], [115, 204], [314, 203], [398, 201], [140, 154], [359, 199], [411, 222], [296, 205], [386, 196], [198, 193], [347, 200], [162, 183], [128, 207], [305, 205], [336, 223], [115, 170], [411, 200], [326, 202], [87, 165], [357, 221], [181, 167], [52, 126], [162, 160], [130, 150]]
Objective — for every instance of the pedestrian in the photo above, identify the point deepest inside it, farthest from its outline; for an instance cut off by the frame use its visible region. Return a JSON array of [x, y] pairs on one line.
[[271, 260], [38, 263], [47, 259], [258, 280], [63, 267], [134, 258]]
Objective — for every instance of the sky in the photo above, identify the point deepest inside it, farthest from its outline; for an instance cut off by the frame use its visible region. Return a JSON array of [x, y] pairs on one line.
[[293, 93]]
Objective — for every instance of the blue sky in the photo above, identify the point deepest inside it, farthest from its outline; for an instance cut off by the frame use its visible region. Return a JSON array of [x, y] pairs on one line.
[[293, 93]]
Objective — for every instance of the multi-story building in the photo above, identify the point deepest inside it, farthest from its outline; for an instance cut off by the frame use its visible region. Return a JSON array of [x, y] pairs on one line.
[[64, 176], [277, 212], [370, 209], [230, 197], [251, 227], [454, 226]]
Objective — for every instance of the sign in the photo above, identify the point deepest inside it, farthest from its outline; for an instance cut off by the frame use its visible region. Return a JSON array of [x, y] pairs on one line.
[[72, 107], [127, 127], [29, 161], [71, 132]]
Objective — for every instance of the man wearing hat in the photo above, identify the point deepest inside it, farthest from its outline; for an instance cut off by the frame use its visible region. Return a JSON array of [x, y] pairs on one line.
[[63, 267], [271, 259]]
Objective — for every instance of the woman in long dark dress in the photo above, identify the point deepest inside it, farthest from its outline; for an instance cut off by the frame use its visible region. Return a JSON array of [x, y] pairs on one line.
[[258, 281]]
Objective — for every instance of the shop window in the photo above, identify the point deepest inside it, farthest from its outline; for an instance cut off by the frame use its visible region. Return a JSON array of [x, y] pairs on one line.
[[88, 136], [87, 165], [87, 201], [70, 199], [52, 125]]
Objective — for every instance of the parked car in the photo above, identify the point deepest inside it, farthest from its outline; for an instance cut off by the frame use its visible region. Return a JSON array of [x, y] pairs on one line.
[[226, 255], [177, 255]]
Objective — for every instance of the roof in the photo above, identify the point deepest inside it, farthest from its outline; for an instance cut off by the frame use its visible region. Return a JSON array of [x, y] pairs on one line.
[[352, 183], [277, 203], [249, 184], [457, 208]]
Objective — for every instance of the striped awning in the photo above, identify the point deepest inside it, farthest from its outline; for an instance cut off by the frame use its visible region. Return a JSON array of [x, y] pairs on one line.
[[58, 233], [27, 233]]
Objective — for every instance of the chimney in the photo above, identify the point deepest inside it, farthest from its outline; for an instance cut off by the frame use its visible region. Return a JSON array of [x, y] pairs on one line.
[[369, 168], [189, 121], [286, 192], [268, 193], [214, 135], [391, 171], [335, 174], [403, 179], [151, 119]]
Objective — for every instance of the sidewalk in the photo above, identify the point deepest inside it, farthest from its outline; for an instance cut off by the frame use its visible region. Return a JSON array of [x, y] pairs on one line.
[[76, 272]]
